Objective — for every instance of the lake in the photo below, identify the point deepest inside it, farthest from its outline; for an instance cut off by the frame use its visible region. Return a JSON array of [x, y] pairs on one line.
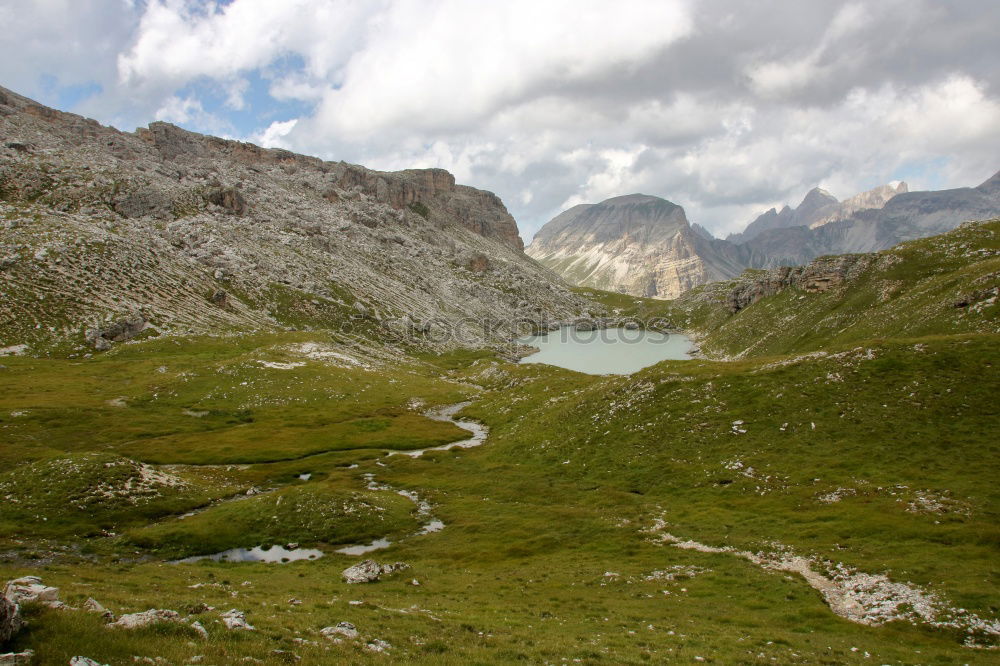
[[608, 351]]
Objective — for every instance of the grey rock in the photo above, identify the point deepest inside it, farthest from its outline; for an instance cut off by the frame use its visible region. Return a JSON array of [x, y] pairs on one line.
[[145, 618], [151, 216], [30, 589], [236, 620], [93, 606], [342, 629], [84, 661], [17, 658], [369, 571], [378, 645]]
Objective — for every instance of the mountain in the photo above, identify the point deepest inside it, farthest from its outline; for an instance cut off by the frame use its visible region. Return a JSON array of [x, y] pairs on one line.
[[818, 207], [872, 199], [905, 216], [645, 246], [637, 244], [165, 231]]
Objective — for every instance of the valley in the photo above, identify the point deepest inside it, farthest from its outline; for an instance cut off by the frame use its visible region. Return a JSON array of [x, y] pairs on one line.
[[563, 527], [208, 347]]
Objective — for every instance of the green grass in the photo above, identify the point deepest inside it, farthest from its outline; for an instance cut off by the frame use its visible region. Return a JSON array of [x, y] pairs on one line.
[[892, 411]]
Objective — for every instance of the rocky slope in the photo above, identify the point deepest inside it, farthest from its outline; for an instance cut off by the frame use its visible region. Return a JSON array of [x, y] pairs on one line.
[[637, 244], [106, 235]]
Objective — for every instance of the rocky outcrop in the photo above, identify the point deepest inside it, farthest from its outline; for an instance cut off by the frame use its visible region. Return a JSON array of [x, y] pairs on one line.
[[818, 276], [369, 571], [30, 589], [119, 330]]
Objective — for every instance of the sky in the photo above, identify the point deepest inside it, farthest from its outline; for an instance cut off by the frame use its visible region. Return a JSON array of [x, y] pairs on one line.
[[725, 107]]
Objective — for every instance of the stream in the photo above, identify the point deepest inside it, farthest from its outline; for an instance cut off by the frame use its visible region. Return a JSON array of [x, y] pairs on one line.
[[278, 554]]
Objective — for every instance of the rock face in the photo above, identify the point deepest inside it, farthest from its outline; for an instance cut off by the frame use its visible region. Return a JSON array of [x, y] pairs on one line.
[[636, 244], [198, 234]]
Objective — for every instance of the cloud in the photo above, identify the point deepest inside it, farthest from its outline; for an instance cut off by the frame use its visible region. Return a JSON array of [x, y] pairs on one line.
[[725, 107]]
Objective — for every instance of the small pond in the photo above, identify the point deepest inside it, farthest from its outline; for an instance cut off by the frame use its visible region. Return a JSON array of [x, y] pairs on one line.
[[608, 351]]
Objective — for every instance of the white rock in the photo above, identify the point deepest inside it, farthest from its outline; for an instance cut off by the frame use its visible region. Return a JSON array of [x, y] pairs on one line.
[[378, 645], [30, 589], [84, 661], [369, 571], [91, 605], [151, 616], [200, 629], [345, 629], [236, 620], [17, 658]]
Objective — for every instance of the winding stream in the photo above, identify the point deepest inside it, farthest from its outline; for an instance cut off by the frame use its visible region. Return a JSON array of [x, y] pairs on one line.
[[278, 554]]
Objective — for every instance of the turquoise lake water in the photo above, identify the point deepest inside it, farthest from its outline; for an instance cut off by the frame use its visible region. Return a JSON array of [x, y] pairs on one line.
[[609, 351]]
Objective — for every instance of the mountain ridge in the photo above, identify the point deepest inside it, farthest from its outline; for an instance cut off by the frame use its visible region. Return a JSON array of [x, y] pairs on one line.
[[821, 225]]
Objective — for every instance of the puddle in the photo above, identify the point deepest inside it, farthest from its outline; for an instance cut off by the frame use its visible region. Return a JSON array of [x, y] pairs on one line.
[[273, 555]]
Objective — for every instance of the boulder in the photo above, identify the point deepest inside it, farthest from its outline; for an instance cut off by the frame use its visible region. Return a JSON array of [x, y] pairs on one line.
[[199, 629], [30, 589], [378, 645], [145, 618], [10, 619], [236, 620], [370, 571], [17, 658], [84, 661], [93, 606], [123, 329], [345, 629]]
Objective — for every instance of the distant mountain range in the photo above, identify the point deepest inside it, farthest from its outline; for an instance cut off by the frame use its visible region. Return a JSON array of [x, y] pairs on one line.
[[645, 246]]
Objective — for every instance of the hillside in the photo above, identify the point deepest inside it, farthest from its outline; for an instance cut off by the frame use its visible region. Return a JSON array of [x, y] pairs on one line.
[[108, 235]]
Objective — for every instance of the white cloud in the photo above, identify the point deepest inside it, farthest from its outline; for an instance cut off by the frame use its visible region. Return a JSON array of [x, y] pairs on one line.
[[273, 136]]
